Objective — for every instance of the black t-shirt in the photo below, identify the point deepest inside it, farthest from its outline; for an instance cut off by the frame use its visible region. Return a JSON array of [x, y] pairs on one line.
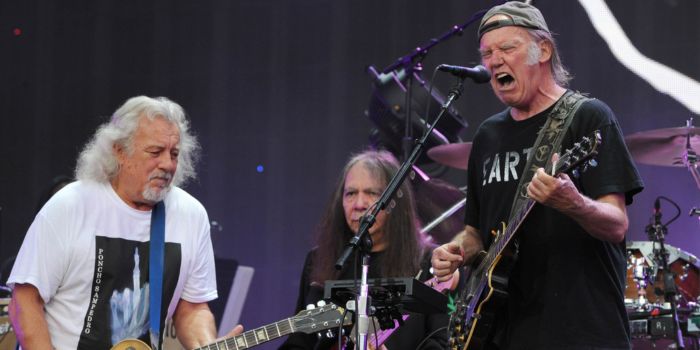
[[409, 336], [566, 289]]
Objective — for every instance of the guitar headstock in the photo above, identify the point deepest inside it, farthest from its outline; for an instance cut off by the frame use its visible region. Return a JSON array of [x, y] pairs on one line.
[[579, 157], [325, 317]]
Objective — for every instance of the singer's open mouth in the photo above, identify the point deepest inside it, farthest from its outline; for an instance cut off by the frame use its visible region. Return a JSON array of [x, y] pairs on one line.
[[504, 79]]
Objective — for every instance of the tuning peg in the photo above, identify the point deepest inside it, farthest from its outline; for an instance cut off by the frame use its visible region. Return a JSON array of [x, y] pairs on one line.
[[310, 307], [593, 163], [575, 173], [321, 303], [330, 334]]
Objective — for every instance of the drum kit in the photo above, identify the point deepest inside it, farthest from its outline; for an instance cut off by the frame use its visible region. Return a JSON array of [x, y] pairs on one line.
[[654, 296], [7, 336]]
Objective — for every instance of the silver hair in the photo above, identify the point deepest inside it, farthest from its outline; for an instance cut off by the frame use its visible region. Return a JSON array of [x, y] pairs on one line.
[[533, 53], [98, 162], [560, 74]]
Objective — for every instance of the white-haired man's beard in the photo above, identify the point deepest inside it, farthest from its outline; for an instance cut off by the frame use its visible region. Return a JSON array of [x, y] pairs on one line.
[[157, 193]]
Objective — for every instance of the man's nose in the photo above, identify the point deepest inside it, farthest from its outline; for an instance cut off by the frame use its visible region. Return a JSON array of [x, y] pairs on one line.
[[168, 162], [495, 60], [362, 202]]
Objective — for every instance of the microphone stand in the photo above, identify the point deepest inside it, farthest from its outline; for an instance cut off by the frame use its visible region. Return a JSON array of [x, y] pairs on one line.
[[363, 302], [657, 233], [407, 63]]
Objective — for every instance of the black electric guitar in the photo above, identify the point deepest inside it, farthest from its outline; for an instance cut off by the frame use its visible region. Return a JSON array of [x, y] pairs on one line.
[[485, 292], [307, 321]]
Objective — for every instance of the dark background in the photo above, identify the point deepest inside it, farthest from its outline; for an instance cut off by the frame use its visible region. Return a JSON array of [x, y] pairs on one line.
[[282, 84]]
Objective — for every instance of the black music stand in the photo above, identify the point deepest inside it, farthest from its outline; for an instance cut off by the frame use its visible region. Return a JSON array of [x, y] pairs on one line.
[[405, 294]]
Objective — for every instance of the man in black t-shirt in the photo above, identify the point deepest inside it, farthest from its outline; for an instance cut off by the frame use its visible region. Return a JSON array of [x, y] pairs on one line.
[[566, 288]]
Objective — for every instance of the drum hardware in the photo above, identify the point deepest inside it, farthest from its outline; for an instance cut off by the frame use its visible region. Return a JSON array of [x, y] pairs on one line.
[[641, 277], [677, 147], [657, 233], [7, 335], [444, 216], [644, 277]]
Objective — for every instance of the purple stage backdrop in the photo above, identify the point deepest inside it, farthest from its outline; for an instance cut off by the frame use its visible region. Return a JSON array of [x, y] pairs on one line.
[[277, 92]]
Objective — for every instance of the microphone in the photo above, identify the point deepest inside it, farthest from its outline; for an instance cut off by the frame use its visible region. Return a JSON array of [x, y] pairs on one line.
[[478, 73], [657, 212]]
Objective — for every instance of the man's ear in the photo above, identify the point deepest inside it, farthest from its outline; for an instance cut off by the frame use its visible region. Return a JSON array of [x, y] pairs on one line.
[[119, 152], [546, 50]]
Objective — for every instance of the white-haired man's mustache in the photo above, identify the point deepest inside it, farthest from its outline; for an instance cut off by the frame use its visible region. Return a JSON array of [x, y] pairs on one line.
[[160, 175]]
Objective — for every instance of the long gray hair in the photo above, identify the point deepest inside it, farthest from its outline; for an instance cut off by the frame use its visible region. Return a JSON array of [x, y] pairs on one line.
[[560, 74], [98, 162]]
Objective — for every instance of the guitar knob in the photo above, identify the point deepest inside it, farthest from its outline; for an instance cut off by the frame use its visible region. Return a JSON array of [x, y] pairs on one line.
[[593, 163]]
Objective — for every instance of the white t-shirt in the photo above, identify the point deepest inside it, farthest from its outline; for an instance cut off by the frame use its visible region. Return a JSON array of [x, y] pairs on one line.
[[87, 254]]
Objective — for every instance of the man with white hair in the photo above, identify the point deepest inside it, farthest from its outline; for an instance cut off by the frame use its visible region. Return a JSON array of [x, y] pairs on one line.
[[566, 288], [81, 277]]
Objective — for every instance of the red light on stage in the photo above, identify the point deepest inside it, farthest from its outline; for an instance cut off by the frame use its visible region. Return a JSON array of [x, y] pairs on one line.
[[17, 32]]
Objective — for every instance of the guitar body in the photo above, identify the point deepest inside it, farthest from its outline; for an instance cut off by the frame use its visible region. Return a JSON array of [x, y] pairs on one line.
[[131, 344], [492, 304]]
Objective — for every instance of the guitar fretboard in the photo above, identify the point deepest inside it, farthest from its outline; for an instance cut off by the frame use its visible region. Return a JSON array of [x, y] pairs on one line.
[[254, 337]]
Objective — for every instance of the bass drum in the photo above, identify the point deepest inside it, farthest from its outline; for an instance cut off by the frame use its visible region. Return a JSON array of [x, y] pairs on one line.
[[8, 341], [644, 285]]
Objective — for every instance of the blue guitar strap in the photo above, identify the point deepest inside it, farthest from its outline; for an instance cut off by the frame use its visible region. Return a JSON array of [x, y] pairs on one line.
[[155, 270]]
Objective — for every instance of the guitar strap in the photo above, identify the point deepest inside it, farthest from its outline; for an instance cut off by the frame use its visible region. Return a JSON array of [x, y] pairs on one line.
[[155, 271], [548, 140]]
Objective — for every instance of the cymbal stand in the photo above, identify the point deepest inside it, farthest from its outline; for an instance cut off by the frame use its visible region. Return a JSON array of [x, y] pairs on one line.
[[657, 232], [690, 158], [444, 215]]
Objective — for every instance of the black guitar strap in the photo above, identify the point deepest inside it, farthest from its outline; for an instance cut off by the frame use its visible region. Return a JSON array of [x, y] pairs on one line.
[[548, 140]]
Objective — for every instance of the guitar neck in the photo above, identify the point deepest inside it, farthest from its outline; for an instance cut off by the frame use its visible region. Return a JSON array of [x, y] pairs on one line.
[[254, 337], [513, 225]]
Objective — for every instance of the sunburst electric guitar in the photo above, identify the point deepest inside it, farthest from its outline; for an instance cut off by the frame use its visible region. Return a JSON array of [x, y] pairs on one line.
[[307, 321], [485, 292]]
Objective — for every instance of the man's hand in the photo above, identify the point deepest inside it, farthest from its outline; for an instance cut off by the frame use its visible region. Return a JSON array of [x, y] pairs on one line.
[[558, 192], [446, 259], [604, 218]]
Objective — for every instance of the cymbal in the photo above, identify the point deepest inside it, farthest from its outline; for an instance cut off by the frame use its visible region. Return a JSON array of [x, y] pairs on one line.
[[455, 155], [664, 147]]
